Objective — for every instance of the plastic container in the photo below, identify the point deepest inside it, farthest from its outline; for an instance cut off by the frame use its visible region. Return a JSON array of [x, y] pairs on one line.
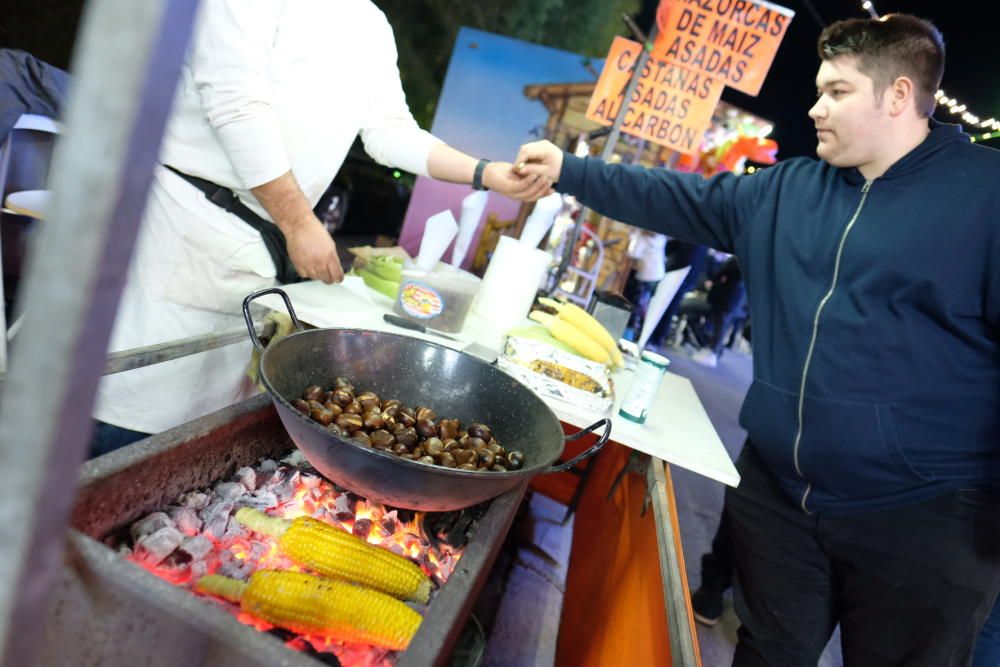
[[649, 374], [439, 299]]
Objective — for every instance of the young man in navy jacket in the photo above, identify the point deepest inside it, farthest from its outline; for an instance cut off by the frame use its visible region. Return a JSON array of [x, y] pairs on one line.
[[870, 491]]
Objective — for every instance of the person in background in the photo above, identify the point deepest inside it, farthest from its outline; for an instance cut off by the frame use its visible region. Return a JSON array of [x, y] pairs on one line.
[[679, 254], [647, 250], [727, 299], [270, 99], [870, 479]]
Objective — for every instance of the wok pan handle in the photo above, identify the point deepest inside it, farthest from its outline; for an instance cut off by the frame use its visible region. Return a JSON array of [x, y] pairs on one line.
[[606, 423], [250, 326]]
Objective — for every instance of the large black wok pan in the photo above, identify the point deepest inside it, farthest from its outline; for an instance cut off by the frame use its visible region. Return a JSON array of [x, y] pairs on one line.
[[454, 384]]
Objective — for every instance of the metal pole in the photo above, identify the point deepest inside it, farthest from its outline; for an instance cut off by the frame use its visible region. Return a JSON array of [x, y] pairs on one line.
[[611, 142], [125, 69]]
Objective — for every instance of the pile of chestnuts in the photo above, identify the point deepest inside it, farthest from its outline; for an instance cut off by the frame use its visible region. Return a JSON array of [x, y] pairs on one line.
[[410, 433]]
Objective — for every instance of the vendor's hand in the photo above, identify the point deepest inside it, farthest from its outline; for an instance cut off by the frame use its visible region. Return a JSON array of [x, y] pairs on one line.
[[313, 251], [539, 158], [501, 177]]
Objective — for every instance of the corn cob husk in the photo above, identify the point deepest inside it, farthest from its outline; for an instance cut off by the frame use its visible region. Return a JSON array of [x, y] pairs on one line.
[[308, 604], [335, 553]]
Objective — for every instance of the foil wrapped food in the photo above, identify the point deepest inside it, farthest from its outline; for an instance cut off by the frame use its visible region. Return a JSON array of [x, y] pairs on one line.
[[555, 374]]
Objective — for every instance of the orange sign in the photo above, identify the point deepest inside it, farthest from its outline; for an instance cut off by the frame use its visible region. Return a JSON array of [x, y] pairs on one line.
[[671, 105], [732, 40]]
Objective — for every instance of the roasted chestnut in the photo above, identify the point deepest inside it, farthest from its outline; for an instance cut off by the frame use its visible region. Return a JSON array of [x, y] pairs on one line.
[[373, 420], [417, 452], [447, 460], [448, 429], [301, 406], [480, 431], [321, 415], [425, 413], [426, 428], [362, 438], [434, 446], [336, 430], [314, 393], [343, 383], [368, 401], [353, 407], [406, 417], [475, 443], [342, 397], [407, 436], [384, 439], [496, 467], [465, 456], [408, 457], [426, 459], [349, 422], [515, 459], [334, 408], [398, 449], [466, 466], [486, 458], [450, 445], [497, 448]]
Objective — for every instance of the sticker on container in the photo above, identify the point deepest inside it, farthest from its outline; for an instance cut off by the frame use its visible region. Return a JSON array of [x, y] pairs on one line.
[[420, 301]]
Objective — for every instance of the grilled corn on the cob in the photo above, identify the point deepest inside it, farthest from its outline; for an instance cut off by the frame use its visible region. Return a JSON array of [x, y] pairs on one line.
[[336, 553], [588, 324], [310, 604], [569, 334]]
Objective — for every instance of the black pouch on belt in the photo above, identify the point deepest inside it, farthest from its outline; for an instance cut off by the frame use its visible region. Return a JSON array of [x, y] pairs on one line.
[[274, 240]]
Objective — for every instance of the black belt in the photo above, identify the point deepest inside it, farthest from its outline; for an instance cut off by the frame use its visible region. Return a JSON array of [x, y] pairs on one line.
[[274, 240]]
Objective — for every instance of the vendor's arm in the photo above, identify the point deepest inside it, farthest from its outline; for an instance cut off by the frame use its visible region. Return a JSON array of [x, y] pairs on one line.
[[688, 206], [392, 137], [229, 66]]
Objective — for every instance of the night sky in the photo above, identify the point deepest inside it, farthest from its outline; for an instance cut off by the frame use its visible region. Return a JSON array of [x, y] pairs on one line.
[[971, 33]]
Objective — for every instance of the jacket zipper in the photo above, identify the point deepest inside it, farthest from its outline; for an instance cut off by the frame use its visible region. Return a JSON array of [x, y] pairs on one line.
[[815, 331]]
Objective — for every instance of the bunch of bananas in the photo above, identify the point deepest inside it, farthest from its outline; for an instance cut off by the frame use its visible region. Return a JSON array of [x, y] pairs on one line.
[[577, 328], [382, 273]]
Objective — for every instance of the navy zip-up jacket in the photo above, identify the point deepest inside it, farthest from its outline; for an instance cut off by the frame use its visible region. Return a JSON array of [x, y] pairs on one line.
[[875, 307]]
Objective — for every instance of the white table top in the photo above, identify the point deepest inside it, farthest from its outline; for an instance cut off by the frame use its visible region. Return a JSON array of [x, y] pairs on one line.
[[29, 202], [677, 428]]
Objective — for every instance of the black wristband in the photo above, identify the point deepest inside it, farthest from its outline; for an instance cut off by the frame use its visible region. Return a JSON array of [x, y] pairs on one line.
[[477, 175]]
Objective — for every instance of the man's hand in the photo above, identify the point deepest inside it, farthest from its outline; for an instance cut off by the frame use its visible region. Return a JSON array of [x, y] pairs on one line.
[[501, 177], [540, 158], [313, 252]]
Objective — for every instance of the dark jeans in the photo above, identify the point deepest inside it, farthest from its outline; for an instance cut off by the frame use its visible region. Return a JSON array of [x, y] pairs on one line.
[[909, 586], [108, 438]]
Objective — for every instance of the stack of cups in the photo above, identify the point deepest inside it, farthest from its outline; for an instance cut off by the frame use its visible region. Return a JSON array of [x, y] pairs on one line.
[[511, 282]]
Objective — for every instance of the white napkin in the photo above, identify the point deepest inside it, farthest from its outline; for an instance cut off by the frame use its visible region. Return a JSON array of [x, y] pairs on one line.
[[438, 233], [541, 219], [661, 298], [472, 211]]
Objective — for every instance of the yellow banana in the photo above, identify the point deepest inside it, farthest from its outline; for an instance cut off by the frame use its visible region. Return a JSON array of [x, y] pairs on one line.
[[562, 330], [585, 322]]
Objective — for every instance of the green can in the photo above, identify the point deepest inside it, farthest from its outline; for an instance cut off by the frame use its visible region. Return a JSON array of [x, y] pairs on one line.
[[648, 378]]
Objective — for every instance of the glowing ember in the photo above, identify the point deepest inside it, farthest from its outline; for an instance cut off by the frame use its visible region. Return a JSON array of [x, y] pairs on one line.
[[198, 536]]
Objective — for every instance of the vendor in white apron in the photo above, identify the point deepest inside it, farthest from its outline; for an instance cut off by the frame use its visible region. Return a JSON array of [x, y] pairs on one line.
[[270, 100]]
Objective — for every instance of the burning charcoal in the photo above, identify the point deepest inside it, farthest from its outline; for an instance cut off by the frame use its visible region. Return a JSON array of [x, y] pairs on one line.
[[390, 523], [396, 548], [343, 507], [229, 490], [157, 546], [150, 524], [234, 530], [268, 465], [261, 500], [247, 477], [216, 517], [198, 570], [285, 490], [295, 460], [310, 481], [236, 569], [362, 527], [195, 500], [258, 549], [186, 520], [197, 547]]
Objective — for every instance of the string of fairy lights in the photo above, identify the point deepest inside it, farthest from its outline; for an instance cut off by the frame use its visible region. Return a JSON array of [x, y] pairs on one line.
[[988, 128]]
